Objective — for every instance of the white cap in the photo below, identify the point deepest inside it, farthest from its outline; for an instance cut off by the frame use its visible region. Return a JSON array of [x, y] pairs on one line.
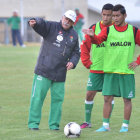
[[71, 15]]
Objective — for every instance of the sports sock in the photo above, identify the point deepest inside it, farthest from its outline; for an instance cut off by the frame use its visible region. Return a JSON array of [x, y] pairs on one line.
[[112, 108], [125, 123], [88, 110], [106, 122]]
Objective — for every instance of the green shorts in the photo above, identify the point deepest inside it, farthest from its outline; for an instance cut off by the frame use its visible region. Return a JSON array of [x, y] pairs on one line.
[[95, 81], [119, 85]]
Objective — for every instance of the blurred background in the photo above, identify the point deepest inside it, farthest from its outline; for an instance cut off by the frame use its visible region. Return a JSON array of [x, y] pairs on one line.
[[53, 10]]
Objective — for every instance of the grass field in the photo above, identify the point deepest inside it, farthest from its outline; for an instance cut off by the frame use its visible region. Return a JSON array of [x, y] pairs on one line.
[[16, 75]]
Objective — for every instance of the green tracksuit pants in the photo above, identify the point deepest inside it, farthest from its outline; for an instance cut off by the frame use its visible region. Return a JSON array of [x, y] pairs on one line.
[[40, 88]]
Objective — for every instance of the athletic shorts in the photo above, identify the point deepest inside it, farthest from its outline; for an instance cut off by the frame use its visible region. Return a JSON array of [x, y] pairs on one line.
[[119, 85], [95, 81]]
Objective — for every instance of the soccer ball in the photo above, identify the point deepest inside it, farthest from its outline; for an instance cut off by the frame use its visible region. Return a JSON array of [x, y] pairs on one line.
[[72, 130]]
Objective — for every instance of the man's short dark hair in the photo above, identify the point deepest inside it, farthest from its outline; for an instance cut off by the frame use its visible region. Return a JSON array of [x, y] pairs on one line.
[[120, 8], [108, 6]]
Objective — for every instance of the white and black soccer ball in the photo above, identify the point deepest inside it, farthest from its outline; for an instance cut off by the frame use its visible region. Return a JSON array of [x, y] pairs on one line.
[[72, 130]]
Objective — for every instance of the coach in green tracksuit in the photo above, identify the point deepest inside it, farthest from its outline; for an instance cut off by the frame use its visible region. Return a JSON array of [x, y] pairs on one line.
[[59, 52]]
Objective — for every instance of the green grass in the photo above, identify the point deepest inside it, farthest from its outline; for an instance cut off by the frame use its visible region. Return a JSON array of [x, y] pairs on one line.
[[16, 75]]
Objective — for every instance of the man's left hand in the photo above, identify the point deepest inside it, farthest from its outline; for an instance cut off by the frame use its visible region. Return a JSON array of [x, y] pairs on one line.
[[69, 65], [132, 65], [89, 32]]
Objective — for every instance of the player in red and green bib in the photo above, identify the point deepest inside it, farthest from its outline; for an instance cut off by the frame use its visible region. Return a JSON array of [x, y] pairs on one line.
[[92, 57], [119, 66]]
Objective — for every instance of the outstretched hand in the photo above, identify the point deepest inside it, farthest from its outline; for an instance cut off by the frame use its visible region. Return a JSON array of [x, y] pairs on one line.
[[132, 65], [89, 32], [32, 22]]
